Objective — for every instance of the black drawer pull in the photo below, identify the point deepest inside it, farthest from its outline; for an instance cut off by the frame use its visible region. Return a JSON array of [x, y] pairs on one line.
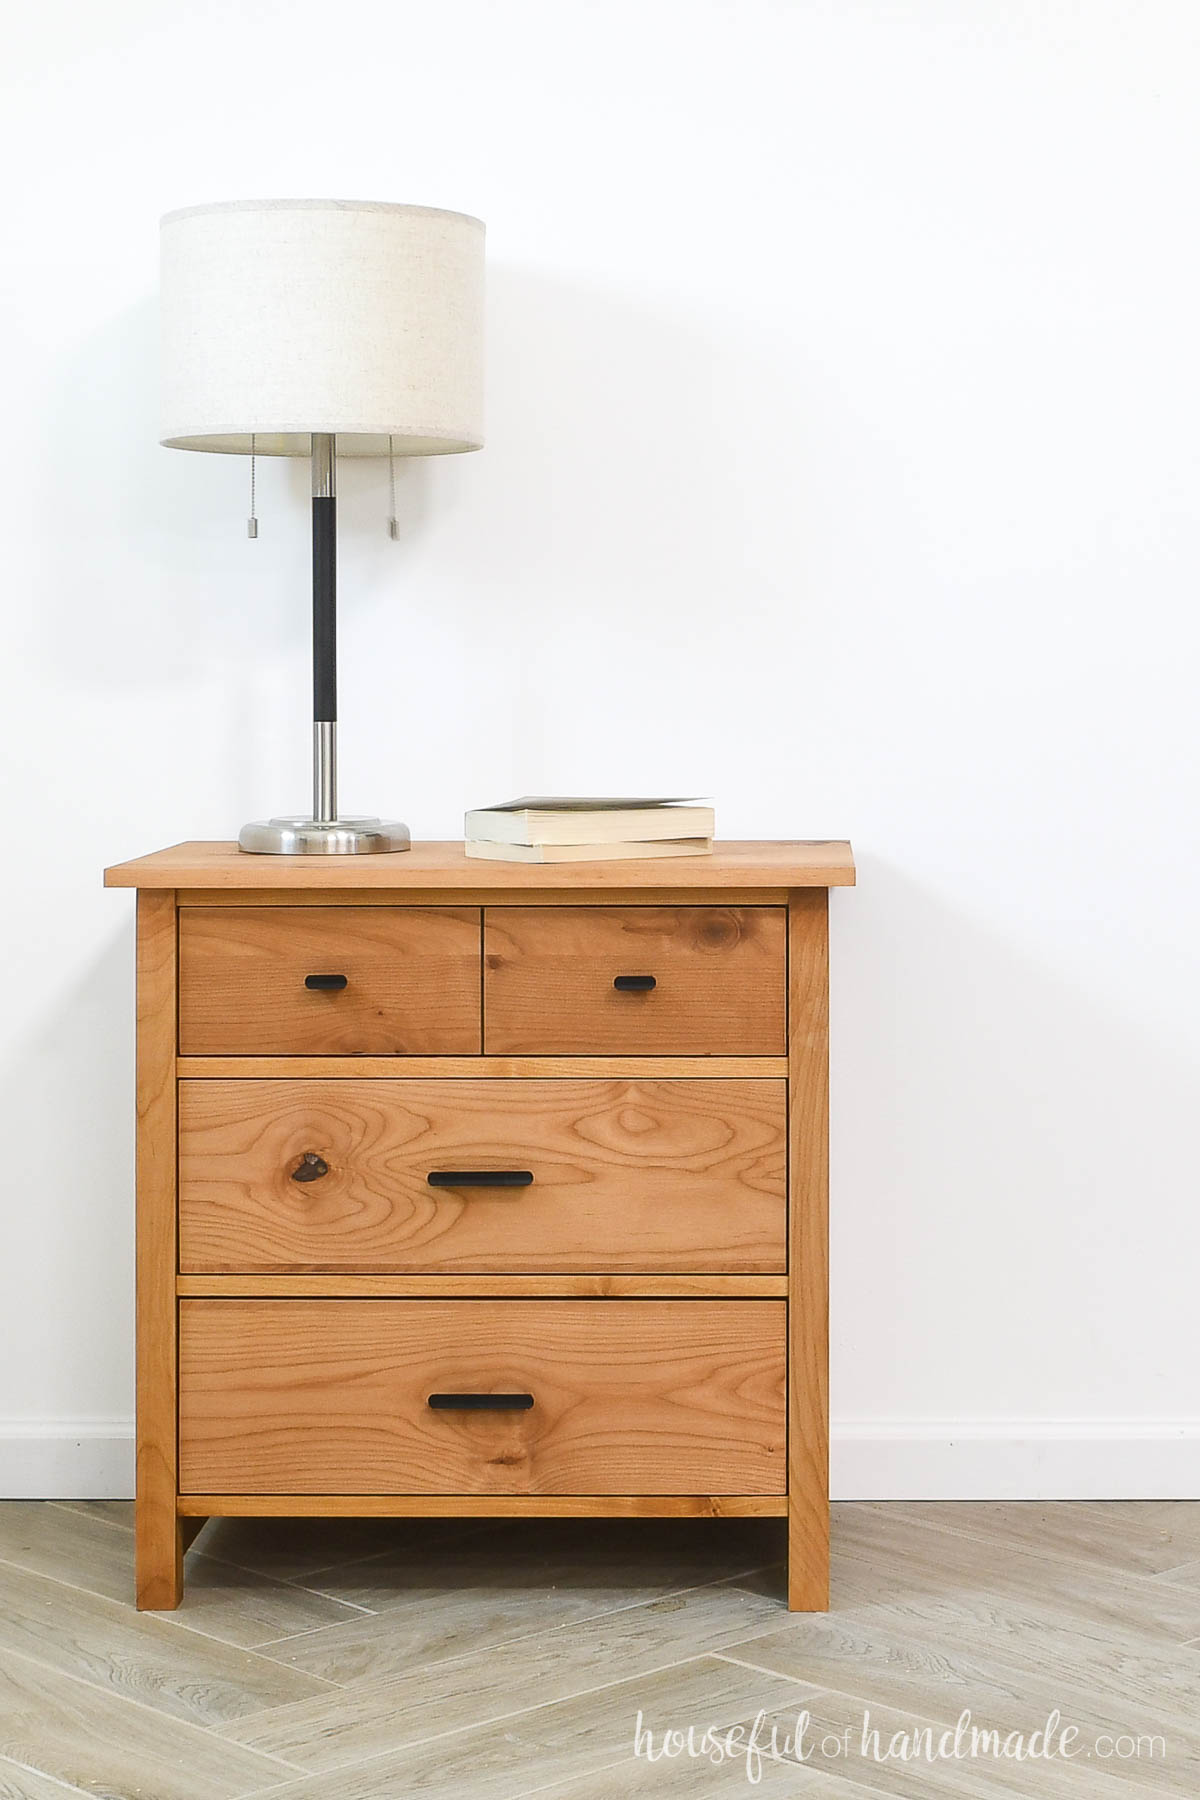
[[325, 983], [481, 1402], [498, 1178], [311, 1167], [633, 984]]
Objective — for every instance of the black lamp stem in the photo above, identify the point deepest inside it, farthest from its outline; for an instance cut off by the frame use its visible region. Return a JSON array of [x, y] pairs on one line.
[[324, 833], [324, 586]]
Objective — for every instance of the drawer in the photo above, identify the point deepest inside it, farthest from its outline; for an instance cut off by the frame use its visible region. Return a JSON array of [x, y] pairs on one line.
[[635, 980], [587, 1397], [386, 980], [622, 1176]]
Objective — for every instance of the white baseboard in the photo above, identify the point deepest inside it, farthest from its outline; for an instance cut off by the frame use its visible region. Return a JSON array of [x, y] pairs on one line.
[[1015, 1459], [66, 1459], [872, 1459]]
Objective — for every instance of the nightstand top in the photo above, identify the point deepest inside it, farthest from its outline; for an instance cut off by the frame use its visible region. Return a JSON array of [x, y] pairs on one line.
[[766, 863]]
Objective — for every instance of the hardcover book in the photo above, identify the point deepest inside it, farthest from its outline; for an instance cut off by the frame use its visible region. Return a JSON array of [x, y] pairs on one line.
[[587, 820]]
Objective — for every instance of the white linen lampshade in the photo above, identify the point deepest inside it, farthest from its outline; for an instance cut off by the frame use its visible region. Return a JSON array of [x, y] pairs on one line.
[[285, 318]]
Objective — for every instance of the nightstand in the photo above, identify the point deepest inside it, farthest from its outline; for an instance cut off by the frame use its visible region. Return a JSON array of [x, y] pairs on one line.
[[482, 1189]]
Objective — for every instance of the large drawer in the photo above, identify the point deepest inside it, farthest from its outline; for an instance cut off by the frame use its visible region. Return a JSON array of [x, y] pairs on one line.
[[622, 1176], [329, 980], [586, 1397], [635, 980]]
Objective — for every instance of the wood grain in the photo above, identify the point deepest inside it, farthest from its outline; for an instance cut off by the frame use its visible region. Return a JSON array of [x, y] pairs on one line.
[[159, 1548], [452, 896], [891, 1560], [565, 1654], [808, 1256], [658, 1122], [548, 1750], [74, 1544], [330, 1396], [146, 1660], [99, 1743], [412, 981], [777, 864], [476, 1068], [627, 1175], [484, 1506], [485, 1287], [999, 1609], [549, 973]]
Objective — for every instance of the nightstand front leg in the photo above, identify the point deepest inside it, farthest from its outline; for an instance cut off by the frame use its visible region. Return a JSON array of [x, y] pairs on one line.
[[158, 1551], [808, 1250], [158, 1542]]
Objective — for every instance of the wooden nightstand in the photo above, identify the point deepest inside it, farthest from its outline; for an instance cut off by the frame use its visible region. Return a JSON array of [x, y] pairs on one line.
[[474, 1188]]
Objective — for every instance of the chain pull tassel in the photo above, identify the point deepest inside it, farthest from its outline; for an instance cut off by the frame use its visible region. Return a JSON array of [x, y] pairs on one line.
[[252, 522]]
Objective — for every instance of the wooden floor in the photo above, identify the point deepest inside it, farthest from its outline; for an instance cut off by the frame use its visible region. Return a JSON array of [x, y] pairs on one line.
[[358, 1660]]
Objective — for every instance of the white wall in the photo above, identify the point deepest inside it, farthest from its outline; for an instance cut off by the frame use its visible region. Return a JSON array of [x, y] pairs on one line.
[[843, 462]]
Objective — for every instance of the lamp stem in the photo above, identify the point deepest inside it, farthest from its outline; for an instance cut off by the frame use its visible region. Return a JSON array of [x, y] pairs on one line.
[[324, 546], [324, 834], [325, 803]]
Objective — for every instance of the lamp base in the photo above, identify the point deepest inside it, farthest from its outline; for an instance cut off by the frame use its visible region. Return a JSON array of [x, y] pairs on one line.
[[306, 837]]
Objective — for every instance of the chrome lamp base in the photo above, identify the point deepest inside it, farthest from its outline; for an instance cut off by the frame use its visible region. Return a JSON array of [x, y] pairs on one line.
[[308, 837]]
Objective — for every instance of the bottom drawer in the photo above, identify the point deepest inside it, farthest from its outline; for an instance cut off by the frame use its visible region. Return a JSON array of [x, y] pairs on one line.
[[482, 1396]]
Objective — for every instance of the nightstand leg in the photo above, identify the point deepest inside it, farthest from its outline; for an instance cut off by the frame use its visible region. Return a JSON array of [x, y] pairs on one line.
[[159, 1555], [808, 1556], [808, 1250], [158, 1544]]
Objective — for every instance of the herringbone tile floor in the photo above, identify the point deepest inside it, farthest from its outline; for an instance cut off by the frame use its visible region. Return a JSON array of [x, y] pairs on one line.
[[358, 1660]]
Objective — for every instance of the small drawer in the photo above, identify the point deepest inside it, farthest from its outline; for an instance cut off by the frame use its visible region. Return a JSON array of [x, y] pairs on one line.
[[431, 1176], [329, 981], [635, 980], [482, 1397]]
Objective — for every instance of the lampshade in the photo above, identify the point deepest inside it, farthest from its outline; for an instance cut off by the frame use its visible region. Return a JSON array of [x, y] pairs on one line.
[[281, 318]]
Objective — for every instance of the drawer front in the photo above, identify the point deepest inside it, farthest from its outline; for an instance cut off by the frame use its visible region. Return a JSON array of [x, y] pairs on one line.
[[590, 1397], [329, 981], [621, 1176], [635, 980]]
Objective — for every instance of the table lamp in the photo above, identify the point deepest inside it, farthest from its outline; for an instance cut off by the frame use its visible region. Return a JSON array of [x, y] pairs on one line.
[[322, 328]]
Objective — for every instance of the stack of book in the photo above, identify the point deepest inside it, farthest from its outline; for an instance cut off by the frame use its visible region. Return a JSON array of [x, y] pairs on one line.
[[574, 828]]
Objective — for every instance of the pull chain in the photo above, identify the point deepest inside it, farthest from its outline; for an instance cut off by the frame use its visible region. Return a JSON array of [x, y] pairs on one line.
[[393, 526], [252, 521]]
